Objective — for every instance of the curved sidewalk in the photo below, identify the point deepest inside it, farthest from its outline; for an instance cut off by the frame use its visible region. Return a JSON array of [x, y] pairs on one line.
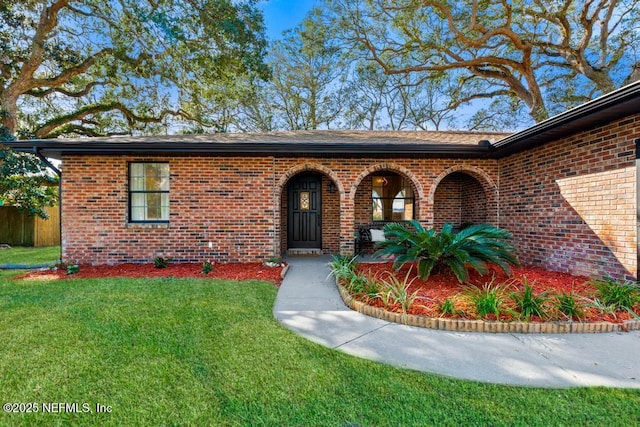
[[309, 304]]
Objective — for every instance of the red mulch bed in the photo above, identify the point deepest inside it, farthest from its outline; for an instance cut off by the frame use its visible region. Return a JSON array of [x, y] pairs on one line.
[[249, 271], [440, 286]]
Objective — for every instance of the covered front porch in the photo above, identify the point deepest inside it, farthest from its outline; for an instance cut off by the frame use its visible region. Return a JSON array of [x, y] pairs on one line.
[[322, 212]]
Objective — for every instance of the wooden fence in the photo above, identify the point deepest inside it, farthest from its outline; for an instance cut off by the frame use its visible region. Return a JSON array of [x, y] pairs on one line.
[[19, 229]]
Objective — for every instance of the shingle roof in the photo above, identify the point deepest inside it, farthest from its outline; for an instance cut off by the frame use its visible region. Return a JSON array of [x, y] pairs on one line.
[[306, 137], [300, 143]]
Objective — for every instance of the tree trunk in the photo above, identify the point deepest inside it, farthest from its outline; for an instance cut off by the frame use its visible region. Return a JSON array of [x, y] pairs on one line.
[[9, 112]]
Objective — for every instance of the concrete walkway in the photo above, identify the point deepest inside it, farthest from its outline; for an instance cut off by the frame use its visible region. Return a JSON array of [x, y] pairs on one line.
[[309, 304]]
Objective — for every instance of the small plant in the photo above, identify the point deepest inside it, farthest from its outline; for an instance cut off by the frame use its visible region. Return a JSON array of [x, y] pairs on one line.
[[371, 287], [356, 284], [73, 269], [528, 304], [487, 300], [207, 267], [448, 307], [396, 291], [621, 296], [160, 262], [343, 267], [359, 284], [604, 308], [568, 304]]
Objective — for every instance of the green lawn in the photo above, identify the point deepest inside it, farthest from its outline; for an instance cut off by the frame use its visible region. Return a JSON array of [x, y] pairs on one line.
[[29, 256], [204, 352]]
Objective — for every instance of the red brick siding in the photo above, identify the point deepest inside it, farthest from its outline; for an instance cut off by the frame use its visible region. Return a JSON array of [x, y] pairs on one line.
[[363, 204], [225, 201], [284, 220], [571, 203], [238, 204], [447, 205], [330, 218], [474, 201]]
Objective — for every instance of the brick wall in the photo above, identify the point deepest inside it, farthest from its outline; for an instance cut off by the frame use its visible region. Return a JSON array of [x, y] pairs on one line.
[[330, 218], [474, 201], [571, 204], [238, 204], [225, 201], [363, 204], [284, 221], [447, 206]]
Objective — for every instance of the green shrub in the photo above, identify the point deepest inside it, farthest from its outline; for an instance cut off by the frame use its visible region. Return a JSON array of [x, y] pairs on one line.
[[73, 269], [396, 291], [569, 305], [529, 304], [207, 267], [475, 246], [160, 262], [621, 296], [487, 300]]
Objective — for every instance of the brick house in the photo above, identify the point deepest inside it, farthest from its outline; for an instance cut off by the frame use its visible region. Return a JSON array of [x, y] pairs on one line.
[[566, 189]]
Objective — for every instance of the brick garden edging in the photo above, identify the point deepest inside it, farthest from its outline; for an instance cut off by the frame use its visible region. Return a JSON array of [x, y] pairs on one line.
[[464, 325]]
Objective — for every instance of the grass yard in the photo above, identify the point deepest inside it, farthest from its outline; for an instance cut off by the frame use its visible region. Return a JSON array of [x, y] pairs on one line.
[[29, 256], [206, 352]]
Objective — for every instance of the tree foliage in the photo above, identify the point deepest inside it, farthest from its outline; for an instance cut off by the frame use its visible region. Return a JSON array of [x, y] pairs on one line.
[[547, 56], [98, 67], [308, 75], [374, 100], [25, 181]]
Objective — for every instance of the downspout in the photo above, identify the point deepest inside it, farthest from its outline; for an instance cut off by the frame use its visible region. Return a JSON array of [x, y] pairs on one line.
[[58, 172]]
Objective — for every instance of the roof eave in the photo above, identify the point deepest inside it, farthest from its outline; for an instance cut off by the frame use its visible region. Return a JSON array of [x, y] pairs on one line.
[[57, 148], [617, 104]]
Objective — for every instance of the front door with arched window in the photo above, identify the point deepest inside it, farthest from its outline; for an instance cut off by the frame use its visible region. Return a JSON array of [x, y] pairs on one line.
[[305, 212]]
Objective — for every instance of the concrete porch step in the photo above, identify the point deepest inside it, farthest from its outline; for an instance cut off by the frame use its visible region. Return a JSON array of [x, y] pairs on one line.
[[304, 252]]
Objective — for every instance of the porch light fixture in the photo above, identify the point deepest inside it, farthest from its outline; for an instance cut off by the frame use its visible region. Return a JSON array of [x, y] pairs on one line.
[[380, 180], [331, 187]]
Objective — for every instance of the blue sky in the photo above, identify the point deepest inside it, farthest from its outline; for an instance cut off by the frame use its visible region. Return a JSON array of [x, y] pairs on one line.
[[280, 15]]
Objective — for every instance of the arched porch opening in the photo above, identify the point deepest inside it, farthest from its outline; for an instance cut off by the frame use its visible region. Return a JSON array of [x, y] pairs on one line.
[[381, 197], [461, 199], [309, 213]]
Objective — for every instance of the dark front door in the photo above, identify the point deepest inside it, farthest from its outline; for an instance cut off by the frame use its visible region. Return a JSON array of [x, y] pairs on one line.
[[304, 206]]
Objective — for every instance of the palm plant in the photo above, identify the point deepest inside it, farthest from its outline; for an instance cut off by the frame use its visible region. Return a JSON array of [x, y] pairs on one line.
[[475, 246]]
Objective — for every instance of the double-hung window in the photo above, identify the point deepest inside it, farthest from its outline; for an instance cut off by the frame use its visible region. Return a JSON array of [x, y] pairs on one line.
[[148, 192]]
